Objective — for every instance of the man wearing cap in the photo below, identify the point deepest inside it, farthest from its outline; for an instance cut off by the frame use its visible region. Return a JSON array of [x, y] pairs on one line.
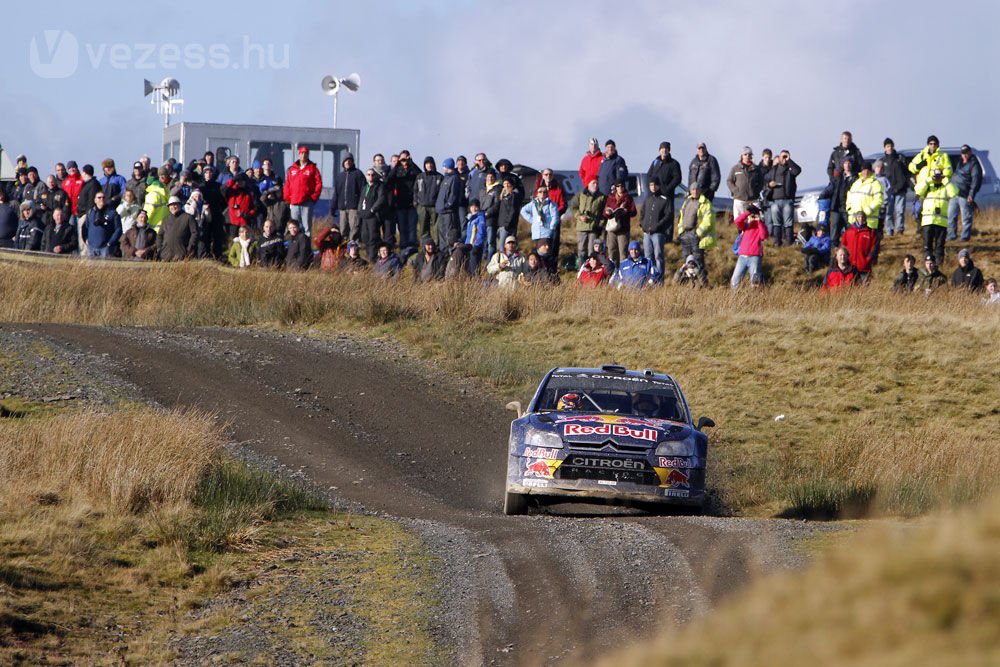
[[302, 189], [449, 198], [112, 183], [102, 228], [967, 275], [866, 196], [137, 184], [656, 220], [745, 181], [613, 168], [590, 164], [704, 170], [968, 178], [696, 225], [178, 236], [157, 196], [928, 160], [931, 277], [635, 271], [935, 192], [899, 182], [348, 188], [589, 219], [507, 265]]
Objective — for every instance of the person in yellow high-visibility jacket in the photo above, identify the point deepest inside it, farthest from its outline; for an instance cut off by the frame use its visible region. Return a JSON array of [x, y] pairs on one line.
[[157, 195], [866, 196], [930, 158], [936, 192]]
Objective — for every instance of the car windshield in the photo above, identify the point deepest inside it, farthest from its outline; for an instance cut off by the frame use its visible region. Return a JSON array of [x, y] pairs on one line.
[[612, 394]]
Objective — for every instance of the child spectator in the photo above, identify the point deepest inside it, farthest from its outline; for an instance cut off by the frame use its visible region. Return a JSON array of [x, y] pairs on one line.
[[475, 236], [993, 295], [816, 250], [691, 274], [330, 245]]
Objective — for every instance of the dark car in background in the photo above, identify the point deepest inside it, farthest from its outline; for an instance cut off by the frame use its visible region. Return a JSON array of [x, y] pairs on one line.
[[606, 435]]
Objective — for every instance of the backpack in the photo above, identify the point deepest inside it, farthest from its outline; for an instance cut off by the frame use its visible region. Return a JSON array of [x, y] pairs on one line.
[[736, 243]]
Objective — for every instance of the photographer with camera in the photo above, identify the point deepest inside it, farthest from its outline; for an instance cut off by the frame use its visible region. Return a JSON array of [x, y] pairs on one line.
[[928, 160], [936, 192]]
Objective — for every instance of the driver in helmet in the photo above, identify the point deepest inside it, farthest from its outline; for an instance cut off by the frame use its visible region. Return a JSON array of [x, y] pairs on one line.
[[568, 402], [645, 405]]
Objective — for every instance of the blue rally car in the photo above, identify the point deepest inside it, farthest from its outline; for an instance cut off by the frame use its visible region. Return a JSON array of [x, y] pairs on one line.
[[606, 435]]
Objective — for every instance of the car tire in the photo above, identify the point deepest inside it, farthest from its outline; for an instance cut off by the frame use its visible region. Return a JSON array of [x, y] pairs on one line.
[[515, 504]]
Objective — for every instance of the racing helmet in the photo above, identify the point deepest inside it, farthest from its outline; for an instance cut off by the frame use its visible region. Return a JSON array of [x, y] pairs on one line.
[[645, 405], [568, 402]]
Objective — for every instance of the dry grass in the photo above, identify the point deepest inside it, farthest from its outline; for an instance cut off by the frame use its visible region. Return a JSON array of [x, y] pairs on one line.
[[893, 595]]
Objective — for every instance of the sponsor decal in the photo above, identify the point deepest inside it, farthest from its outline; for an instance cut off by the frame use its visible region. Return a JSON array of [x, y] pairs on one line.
[[674, 462], [607, 482], [617, 464], [614, 430], [540, 453], [676, 478], [538, 468], [538, 483], [676, 493]]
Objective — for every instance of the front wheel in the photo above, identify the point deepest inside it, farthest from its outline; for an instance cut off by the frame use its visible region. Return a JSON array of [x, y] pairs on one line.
[[515, 504]]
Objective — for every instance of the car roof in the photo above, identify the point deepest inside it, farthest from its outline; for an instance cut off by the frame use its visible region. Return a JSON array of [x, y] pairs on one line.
[[613, 369]]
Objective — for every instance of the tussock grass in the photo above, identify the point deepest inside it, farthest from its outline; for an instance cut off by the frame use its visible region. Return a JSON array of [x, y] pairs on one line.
[[890, 595]]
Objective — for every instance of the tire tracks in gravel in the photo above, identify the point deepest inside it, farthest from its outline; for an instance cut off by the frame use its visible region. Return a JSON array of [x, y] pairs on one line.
[[397, 437]]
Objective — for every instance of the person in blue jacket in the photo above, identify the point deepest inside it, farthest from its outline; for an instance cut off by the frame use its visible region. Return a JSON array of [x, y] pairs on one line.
[[635, 271], [475, 236], [816, 250], [542, 214], [449, 196], [612, 169]]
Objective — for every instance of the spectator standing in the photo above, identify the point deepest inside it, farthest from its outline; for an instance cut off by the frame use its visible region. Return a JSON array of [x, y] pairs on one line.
[[52, 198], [349, 186], [475, 236], [704, 170], [381, 168], [177, 238], [668, 171], [589, 219], [750, 252], [489, 198], [34, 188], [590, 165], [862, 246], [475, 185], [781, 180], [508, 211], [103, 228], [157, 196], [402, 179], [843, 180], [90, 187], [619, 209], [425, 192], [507, 265], [302, 188], [930, 159], [908, 277], [60, 237], [71, 186], [968, 178], [299, 255], [842, 151], [8, 221], [374, 206], [128, 209], [967, 275], [239, 192], [448, 201], [271, 246], [542, 215], [816, 251], [696, 225], [196, 207], [935, 192], [842, 274], [745, 181], [612, 169], [462, 171], [243, 251], [931, 278], [866, 195], [139, 242], [558, 197], [505, 172], [899, 182], [113, 183], [656, 220]]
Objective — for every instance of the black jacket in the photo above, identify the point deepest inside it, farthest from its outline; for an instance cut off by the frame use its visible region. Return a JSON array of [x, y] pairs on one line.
[[271, 251], [402, 180], [374, 203], [425, 188], [348, 188], [669, 173], [86, 199], [8, 222], [970, 277], [897, 173], [834, 166], [656, 214], [29, 233], [706, 174], [968, 177], [905, 282], [50, 200], [489, 204], [63, 236], [509, 211], [138, 188], [839, 187], [425, 270], [299, 255], [784, 175]]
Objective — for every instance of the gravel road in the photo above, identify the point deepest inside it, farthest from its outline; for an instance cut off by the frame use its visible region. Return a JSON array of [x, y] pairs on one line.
[[389, 435]]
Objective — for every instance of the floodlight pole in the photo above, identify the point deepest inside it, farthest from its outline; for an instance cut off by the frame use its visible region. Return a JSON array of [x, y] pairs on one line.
[[335, 96]]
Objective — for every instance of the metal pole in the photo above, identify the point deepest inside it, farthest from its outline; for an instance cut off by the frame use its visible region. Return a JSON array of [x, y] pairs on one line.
[[335, 111]]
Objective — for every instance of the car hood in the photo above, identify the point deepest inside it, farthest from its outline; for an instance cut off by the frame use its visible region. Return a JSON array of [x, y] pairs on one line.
[[592, 428]]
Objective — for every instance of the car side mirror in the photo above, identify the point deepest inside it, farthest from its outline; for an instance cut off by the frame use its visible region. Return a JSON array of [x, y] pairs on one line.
[[704, 422], [516, 407]]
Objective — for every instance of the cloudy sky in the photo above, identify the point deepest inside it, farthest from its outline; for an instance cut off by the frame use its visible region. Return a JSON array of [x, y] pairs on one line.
[[531, 81]]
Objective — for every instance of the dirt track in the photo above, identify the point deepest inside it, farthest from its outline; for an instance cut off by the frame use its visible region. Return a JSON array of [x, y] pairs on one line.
[[397, 438]]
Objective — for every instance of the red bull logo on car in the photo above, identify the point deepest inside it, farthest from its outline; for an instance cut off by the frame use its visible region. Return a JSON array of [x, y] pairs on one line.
[[541, 468], [614, 430], [676, 478]]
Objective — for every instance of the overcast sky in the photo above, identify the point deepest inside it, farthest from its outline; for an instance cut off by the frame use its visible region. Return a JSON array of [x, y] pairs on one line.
[[531, 81]]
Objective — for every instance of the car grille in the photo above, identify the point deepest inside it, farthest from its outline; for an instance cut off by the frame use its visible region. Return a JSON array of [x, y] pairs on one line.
[[609, 446], [607, 468]]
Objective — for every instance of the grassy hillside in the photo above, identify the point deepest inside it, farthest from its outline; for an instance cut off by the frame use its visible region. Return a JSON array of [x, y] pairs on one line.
[[893, 595], [889, 401]]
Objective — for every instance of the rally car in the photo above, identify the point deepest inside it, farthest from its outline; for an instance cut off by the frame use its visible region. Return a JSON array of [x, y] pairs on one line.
[[606, 435]]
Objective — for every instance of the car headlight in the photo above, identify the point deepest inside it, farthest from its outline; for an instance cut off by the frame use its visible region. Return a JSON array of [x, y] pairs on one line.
[[675, 448], [534, 437]]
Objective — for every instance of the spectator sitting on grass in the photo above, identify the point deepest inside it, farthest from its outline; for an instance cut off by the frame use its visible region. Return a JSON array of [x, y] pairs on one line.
[[330, 244], [599, 248], [636, 271], [908, 278], [993, 295], [967, 276], [548, 258], [931, 277], [691, 274], [862, 245], [842, 274], [352, 261], [388, 264], [507, 264], [244, 251], [535, 272], [271, 246], [298, 256], [816, 250], [593, 272], [430, 264]]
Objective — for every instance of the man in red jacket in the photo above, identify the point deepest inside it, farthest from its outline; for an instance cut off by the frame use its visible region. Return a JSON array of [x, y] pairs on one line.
[[862, 243], [591, 162], [842, 274], [303, 187]]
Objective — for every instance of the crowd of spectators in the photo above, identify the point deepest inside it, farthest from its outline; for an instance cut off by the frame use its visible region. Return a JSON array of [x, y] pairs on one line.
[[396, 218]]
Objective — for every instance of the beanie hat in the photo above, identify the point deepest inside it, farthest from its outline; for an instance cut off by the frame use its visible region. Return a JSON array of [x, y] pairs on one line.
[[449, 163]]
